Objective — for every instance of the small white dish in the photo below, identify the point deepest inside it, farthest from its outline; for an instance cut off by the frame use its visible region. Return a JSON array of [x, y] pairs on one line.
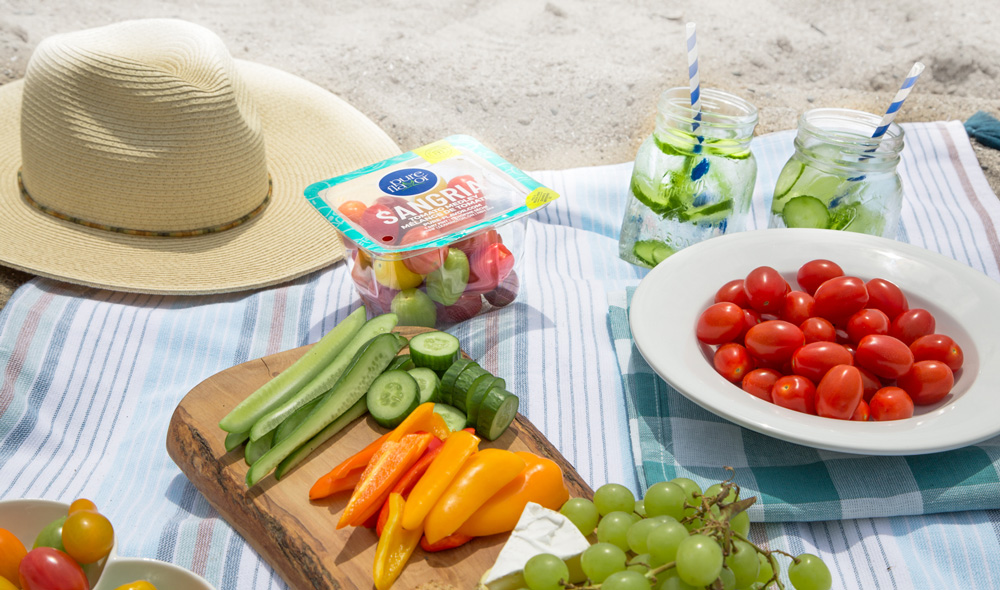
[[964, 302], [25, 518]]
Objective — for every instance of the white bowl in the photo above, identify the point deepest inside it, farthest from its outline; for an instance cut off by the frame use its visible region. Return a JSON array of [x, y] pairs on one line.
[[26, 518], [963, 301]]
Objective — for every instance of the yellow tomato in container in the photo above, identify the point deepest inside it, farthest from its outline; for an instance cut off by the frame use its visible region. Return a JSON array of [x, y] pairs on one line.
[[395, 275]]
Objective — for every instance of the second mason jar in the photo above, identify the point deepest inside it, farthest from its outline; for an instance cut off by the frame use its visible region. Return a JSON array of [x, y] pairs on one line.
[[839, 176], [692, 179]]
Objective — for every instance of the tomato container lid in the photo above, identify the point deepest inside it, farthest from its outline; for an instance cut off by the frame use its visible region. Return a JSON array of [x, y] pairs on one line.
[[429, 197]]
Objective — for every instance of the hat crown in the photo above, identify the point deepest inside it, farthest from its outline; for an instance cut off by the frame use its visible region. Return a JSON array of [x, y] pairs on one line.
[[141, 126]]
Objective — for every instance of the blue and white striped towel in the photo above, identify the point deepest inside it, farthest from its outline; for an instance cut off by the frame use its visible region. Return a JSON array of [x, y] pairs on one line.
[[89, 379]]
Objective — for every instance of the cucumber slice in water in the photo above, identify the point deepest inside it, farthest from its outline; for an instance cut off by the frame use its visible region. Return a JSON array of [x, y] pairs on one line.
[[789, 175], [392, 396], [434, 350], [428, 382], [496, 413], [453, 417], [651, 252], [806, 211]]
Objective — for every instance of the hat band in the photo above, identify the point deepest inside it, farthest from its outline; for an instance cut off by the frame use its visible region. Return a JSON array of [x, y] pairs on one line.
[[187, 233]]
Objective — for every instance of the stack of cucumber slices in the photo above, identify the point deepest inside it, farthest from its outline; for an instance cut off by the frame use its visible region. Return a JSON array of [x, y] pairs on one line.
[[357, 368], [464, 394]]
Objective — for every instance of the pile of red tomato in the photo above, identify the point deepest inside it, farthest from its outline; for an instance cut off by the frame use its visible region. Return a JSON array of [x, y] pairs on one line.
[[435, 286], [838, 347], [62, 547]]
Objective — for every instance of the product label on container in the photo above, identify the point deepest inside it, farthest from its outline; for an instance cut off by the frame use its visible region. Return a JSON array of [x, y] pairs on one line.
[[446, 190]]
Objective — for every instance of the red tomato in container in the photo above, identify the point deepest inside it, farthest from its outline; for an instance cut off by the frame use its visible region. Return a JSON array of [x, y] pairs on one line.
[[839, 298], [797, 307], [938, 347], [795, 392], [732, 362], [428, 260], [733, 293], [865, 322], [774, 340], [352, 210], [912, 324], [720, 323], [760, 382], [883, 355], [816, 272], [886, 297], [765, 289], [381, 224], [46, 568], [927, 382], [465, 308], [891, 403], [487, 267], [506, 291], [839, 392], [472, 243], [818, 330], [812, 361]]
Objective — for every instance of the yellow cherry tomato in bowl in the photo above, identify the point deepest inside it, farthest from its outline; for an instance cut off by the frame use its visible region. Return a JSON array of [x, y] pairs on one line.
[[82, 504], [137, 585], [6, 584], [87, 536]]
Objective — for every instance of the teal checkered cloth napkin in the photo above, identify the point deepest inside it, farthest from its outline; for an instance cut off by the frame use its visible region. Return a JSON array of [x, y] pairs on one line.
[[674, 437]]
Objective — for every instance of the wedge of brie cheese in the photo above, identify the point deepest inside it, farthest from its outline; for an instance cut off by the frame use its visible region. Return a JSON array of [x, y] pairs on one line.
[[539, 530]]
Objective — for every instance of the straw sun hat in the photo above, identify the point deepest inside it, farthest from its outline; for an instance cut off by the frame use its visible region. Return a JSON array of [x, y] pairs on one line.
[[141, 157]]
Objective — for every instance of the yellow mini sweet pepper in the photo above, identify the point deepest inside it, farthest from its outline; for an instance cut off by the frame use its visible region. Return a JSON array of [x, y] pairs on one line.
[[482, 476], [454, 453], [394, 546], [541, 482]]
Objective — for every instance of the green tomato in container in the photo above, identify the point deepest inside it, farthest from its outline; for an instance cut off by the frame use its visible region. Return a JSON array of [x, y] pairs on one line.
[[414, 308], [446, 284]]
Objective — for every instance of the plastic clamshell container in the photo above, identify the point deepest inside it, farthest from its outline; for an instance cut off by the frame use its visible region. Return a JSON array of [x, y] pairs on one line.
[[436, 233]]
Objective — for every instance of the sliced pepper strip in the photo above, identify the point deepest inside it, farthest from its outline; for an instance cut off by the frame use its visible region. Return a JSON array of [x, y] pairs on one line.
[[541, 482], [449, 542], [394, 547], [454, 453], [483, 475], [388, 464], [409, 479], [421, 419]]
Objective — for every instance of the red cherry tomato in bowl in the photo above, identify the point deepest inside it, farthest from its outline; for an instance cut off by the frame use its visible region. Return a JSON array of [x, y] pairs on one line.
[[46, 568], [818, 330], [839, 392], [886, 297], [720, 323], [795, 392], [812, 361], [765, 289], [839, 298], [927, 382], [733, 292], [891, 403], [797, 307], [912, 324], [760, 382], [938, 347], [732, 361], [774, 340], [865, 322], [816, 272], [883, 355]]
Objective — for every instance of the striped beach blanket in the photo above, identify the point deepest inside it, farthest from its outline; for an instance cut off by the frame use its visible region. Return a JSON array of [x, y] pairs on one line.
[[89, 379]]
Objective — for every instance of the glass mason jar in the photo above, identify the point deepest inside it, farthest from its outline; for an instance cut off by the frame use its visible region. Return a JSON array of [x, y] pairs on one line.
[[839, 177], [691, 181]]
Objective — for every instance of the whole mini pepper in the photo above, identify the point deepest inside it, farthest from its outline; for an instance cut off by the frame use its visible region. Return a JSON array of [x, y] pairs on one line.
[[421, 419], [483, 475], [388, 464], [540, 482], [394, 546], [454, 453]]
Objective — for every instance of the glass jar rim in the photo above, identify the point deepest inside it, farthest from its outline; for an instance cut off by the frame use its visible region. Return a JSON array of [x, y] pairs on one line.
[[851, 129], [719, 108]]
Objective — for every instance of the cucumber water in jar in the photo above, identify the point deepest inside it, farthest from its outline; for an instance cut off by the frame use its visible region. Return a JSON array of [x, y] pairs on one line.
[[839, 177], [692, 179]]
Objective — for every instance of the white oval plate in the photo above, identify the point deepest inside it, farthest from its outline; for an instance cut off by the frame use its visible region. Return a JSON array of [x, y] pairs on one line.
[[25, 518], [964, 302]]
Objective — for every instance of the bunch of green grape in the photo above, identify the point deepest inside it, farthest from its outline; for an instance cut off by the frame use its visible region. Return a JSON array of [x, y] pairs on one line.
[[676, 538]]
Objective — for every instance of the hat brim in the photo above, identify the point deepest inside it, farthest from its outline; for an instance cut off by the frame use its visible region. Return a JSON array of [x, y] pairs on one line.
[[309, 134]]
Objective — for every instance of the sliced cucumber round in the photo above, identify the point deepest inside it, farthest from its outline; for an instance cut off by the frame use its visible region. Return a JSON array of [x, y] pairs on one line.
[[477, 396], [434, 350], [428, 382], [392, 396], [496, 413], [806, 211], [449, 376], [453, 417]]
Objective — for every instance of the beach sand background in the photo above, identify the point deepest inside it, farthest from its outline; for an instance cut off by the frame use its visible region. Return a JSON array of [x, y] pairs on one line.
[[567, 83], [570, 83]]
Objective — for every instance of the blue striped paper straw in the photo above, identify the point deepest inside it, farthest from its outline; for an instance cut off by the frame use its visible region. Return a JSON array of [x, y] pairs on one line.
[[897, 102], [692, 51]]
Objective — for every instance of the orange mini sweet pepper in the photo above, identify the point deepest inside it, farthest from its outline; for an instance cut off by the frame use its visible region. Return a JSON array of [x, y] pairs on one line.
[[483, 475], [454, 453], [422, 419], [540, 482], [409, 479], [394, 546], [388, 464], [449, 542]]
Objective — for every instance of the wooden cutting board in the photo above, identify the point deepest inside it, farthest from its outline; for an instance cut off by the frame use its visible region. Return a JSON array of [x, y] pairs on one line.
[[299, 537]]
